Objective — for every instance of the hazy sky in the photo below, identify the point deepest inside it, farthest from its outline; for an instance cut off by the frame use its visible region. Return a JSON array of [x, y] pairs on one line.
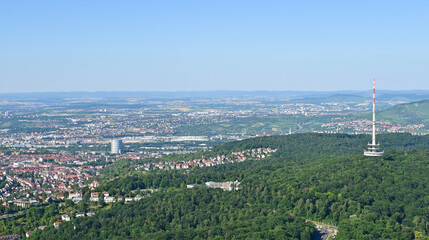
[[213, 45]]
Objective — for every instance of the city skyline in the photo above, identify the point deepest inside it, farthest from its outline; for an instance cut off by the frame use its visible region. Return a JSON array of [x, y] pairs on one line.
[[200, 46]]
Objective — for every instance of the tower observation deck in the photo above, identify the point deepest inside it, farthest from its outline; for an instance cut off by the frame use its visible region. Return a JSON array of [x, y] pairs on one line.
[[373, 148]]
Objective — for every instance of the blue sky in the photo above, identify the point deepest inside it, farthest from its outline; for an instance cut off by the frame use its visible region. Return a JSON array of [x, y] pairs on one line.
[[213, 45]]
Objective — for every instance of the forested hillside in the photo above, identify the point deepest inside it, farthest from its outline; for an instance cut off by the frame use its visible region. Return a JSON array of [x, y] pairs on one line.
[[317, 177], [406, 113], [415, 112]]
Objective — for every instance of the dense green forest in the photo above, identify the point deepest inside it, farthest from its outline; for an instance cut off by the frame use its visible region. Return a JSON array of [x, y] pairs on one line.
[[312, 176]]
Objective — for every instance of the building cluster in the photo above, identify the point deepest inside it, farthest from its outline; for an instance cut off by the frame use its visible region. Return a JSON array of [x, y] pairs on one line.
[[10, 237], [250, 154], [39, 173], [76, 197], [61, 130], [365, 126], [62, 126], [226, 186], [28, 174]]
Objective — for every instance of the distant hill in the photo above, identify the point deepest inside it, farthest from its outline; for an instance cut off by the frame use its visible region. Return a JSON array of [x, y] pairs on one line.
[[406, 113], [330, 99], [346, 98], [382, 95], [415, 112], [404, 96]]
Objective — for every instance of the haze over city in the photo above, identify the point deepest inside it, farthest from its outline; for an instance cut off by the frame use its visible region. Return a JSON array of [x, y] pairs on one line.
[[213, 45]]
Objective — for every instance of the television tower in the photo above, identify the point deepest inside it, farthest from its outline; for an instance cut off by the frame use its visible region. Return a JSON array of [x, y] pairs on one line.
[[373, 147]]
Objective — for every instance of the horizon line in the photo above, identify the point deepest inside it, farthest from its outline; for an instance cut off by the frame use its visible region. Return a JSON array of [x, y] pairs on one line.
[[195, 91]]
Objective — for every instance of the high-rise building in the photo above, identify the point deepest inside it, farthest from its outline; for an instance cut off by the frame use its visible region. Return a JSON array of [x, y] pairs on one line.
[[116, 146], [373, 148]]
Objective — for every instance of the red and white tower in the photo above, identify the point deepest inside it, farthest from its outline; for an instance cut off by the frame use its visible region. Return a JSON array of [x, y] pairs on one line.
[[373, 148]]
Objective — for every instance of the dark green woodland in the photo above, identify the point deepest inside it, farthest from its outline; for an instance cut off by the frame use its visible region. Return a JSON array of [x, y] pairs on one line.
[[317, 177]]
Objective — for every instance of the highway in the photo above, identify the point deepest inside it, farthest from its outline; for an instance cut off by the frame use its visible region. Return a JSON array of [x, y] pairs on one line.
[[299, 128]]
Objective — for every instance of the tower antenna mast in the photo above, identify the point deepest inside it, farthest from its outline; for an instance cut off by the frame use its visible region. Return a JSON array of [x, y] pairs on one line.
[[373, 147]]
